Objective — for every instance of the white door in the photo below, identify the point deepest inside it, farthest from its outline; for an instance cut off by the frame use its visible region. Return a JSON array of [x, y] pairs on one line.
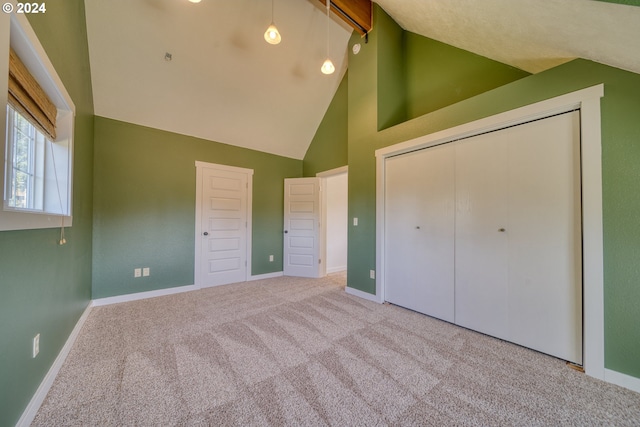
[[518, 235], [545, 237], [481, 244], [223, 227], [518, 258], [419, 231], [302, 227]]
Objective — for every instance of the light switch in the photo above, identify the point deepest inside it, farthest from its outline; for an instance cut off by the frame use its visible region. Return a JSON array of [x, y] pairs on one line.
[[355, 221]]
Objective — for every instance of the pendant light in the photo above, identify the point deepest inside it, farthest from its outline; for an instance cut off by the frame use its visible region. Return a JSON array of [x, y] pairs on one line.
[[272, 35], [327, 66]]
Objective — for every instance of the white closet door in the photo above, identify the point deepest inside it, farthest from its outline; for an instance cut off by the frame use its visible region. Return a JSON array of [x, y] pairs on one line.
[[518, 236], [545, 291], [419, 231], [481, 243], [504, 259]]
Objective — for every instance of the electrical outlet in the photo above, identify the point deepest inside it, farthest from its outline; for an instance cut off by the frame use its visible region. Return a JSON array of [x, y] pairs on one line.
[[372, 274], [270, 258], [146, 271], [355, 221], [36, 345], [137, 272]]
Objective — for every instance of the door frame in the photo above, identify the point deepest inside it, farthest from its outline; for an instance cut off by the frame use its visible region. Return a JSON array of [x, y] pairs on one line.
[[588, 102], [197, 271], [323, 212]]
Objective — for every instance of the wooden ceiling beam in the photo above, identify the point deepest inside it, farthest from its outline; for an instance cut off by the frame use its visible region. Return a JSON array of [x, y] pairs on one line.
[[357, 13]]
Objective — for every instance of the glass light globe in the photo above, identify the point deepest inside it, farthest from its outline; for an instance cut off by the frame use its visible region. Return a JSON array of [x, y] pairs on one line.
[[272, 36], [328, 67]]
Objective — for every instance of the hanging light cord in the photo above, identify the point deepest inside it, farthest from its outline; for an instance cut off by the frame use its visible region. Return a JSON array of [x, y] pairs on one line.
[[328, 10], [62, 240], [327, 66]]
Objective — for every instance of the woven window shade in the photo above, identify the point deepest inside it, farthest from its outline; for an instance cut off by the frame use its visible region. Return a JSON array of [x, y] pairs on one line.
[[26, 96]]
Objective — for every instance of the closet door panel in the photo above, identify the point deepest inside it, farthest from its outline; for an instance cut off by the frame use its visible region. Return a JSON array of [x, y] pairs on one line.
[[545, 283], [481, 244], [419, 231]]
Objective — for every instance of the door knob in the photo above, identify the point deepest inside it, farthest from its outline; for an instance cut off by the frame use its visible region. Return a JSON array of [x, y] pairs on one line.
[[286, 231], [206, 233], [502, 230]]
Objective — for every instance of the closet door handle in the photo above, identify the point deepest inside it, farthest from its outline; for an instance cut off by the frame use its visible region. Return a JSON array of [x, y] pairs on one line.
[[206, 233]]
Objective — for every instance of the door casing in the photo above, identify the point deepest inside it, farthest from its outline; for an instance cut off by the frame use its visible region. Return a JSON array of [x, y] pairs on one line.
[[324, 212]]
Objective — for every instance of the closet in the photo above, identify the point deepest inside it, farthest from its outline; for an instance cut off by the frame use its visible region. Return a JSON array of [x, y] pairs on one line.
[[485, 232]]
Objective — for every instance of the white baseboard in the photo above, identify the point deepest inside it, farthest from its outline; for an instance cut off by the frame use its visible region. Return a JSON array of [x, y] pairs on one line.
[[34, 405], [364, 295], [265, 276], [336, 269], [169, 291], [143, 295], [623, 380]]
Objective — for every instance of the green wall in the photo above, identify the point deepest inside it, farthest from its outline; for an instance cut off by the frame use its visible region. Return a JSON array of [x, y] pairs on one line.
[[620, 159], [625, 2], [44, 288], [392, 75], [418, 75], [328, 149], [438, 75], [144, 205]]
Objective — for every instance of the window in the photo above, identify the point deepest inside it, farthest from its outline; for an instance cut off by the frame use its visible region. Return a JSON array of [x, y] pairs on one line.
[[31, 176], [25, 163], [37, 154]]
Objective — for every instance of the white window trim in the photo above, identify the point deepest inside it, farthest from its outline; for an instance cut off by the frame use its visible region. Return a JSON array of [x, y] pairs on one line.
[[16, 33], [588, 101]]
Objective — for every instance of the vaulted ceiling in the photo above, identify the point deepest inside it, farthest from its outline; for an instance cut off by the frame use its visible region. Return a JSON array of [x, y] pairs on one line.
[[533, 35], [225, 83]]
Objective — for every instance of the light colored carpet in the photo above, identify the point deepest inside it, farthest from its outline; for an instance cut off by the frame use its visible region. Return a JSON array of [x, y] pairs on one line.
[[293, 351]]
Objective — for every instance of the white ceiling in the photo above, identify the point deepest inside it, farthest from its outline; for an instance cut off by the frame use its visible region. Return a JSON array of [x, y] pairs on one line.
[[226, 84]]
